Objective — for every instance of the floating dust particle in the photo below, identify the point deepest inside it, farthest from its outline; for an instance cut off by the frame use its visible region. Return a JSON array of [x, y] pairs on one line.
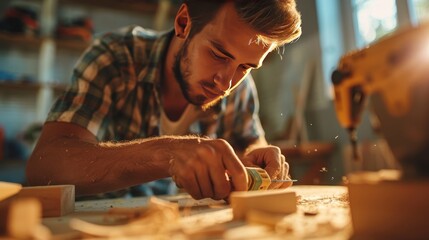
[[67, 150], [315, 149], [336, 137], [324, 169]]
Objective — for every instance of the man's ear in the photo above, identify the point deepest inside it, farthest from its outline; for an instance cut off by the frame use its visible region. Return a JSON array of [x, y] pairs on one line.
[[182, 22]]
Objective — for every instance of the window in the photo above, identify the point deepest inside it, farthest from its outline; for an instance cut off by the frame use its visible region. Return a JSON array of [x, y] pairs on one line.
[[421, 10], [352, 24], [373, 19]]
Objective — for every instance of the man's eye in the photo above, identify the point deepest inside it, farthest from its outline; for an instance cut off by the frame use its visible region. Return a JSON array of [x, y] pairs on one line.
[[217, 56], [245, 68]]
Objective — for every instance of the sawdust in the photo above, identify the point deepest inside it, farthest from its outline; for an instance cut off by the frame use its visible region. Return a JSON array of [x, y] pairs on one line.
[[317, 216], [336, 200]]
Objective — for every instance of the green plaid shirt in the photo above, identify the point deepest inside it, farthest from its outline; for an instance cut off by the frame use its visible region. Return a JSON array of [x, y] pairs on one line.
[[115, 93]]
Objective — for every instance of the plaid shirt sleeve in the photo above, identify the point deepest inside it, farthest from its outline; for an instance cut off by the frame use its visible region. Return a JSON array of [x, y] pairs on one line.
[[240, 123], [97, 79]]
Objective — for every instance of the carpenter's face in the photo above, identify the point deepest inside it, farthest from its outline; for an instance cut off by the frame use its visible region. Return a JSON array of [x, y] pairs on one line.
[[216, 60]]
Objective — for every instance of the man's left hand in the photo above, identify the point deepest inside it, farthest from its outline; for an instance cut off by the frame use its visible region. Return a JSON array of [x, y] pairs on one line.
[[273, 161]]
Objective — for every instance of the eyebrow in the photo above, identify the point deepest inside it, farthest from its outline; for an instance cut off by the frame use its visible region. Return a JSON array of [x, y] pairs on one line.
[[221, 49]]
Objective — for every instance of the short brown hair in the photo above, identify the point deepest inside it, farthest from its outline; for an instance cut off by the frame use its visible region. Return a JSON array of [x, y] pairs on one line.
[[277, 21]]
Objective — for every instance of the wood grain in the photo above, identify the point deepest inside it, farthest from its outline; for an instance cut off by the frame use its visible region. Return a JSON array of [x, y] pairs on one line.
[[272, 201]]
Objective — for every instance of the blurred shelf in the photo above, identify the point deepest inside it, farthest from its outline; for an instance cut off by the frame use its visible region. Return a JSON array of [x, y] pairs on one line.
[[72, 44], [20, 40], [8, 85], [32, 42], [138, 6], [35, 42]]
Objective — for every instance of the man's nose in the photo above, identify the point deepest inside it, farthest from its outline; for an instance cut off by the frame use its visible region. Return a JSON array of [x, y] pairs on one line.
[[223, 82]]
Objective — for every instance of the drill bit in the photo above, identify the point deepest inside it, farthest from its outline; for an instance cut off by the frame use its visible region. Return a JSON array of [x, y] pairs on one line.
[[353, 140]]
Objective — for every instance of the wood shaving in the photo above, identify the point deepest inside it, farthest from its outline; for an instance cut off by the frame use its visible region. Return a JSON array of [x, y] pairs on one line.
[[160, 220]]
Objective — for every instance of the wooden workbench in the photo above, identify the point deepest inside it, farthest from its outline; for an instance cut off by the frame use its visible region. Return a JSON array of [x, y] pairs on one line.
[[323, 212]]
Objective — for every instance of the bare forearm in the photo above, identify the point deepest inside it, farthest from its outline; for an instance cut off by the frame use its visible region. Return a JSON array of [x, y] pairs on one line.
[[97, 167]]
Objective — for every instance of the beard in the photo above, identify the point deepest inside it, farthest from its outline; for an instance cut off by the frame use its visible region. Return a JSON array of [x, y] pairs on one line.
[[183, 77]]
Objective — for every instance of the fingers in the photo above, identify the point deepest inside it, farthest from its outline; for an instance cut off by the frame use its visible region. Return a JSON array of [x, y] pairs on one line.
[[281, 173], [220, 184], [274, 162], [232, 165], [285, 176], [286, 184], [210, 174], [273, 159], [204, 183], [201, 172], [189, 183]]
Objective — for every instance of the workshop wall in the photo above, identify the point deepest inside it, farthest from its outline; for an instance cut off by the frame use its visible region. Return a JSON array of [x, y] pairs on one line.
[[36, 63]]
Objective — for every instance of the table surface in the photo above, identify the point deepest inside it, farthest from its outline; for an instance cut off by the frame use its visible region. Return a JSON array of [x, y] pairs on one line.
[[323, 213]]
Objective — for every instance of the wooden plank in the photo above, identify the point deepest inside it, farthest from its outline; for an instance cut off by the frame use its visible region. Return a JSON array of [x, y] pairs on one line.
[[21, 218], [8, 189], [271, 201], [56, 200], [386, 209]]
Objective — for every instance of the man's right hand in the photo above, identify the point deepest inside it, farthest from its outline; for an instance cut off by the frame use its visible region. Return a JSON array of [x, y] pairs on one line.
[[207, 168]]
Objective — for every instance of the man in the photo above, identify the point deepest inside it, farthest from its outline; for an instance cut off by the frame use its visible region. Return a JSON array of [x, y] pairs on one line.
[[184, 102]]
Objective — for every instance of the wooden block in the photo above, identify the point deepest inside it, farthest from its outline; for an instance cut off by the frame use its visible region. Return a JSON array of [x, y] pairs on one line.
[[264, 218], [8, 189], [56, 200], [271, 201], [388, 209], [20, 218]]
